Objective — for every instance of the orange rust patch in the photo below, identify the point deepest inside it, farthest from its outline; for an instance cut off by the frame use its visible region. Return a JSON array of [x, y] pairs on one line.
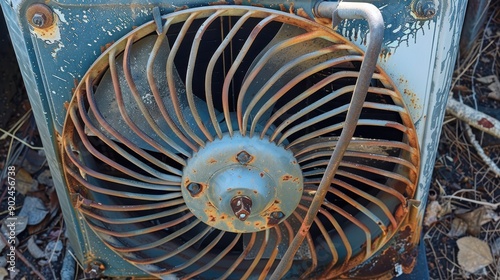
[[302, 13], [212, 161], [286, 177]]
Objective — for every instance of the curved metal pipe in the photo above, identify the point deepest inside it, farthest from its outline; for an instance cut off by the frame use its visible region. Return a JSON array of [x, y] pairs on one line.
[[339, 11]]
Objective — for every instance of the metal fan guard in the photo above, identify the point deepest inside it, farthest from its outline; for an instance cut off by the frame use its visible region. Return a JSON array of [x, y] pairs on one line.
[[127, 140]]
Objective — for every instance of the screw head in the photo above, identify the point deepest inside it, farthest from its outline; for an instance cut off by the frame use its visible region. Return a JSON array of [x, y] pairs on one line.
[[194, 188], [38, 20], [424, 8], [428, 9], [39, 15], [277, 215], [275, 218], [243, 157], [94, 269]]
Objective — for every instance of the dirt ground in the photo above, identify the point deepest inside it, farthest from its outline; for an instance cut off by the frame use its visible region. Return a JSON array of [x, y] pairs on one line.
[[464, 189]]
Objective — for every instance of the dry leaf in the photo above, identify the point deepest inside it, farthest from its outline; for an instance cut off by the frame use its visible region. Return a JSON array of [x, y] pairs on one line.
[[25, 183], [34, 250], [487, 79], [495, 248], [53, 250], [3, 273], [68, 267], [432, 213], [45, 178], [13, 273], [458, 228], [3, 261], [20, 224], [34, 209], [2, 244], [473, 254], [476, 218], [493, 85], [494, 95]]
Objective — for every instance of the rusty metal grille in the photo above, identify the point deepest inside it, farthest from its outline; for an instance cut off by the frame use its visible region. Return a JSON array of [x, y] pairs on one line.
[[161, 93]]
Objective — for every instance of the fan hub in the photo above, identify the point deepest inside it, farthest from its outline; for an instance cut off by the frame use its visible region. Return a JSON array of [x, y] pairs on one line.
[[244, 184]]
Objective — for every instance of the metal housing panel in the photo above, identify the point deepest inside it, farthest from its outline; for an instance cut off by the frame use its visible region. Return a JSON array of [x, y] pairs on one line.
[[419, 55]]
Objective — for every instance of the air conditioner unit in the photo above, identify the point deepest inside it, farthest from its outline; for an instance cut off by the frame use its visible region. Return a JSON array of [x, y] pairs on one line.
[[240, 139]]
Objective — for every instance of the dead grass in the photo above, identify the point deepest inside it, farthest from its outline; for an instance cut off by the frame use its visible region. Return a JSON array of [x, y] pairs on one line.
[[461, 178]]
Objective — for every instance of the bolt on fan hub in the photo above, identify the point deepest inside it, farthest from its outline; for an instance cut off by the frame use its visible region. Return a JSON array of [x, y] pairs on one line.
[[241, 184]]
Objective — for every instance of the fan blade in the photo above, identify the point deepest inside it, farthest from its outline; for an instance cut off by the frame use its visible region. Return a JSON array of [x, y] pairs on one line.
[[108, 106], [291, 52]]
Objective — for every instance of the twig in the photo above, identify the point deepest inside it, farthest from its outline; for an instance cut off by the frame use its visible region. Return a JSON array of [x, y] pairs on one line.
[[487, 160], [494, 206], [473, 117], [25, 261], [20, 140]]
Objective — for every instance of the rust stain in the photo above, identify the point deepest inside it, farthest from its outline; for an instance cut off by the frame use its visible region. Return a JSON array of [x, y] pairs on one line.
[[302, 13], [238, 2], [485, 123], [185, 7], [286, 177], [385, 54], [212, 161], [218, 3], [414, 101]]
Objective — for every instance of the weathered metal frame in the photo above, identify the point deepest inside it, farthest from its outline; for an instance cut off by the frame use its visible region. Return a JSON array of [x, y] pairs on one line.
[[428, 108]]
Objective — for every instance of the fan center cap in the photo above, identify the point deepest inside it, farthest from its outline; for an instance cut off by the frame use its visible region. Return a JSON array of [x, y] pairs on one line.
[[242, 184]]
